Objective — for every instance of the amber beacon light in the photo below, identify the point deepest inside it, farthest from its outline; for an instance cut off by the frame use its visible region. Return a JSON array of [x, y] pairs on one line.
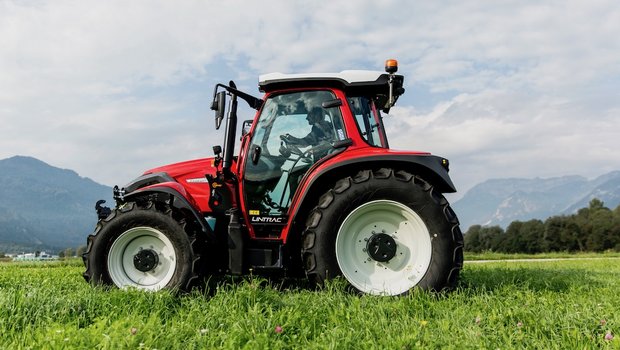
[[391, 66]]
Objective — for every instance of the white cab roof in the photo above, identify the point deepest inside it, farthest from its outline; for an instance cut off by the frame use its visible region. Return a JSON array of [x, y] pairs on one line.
[[349, 76]]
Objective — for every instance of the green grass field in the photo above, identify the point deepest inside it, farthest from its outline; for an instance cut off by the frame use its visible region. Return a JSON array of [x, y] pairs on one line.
[[527, 305]]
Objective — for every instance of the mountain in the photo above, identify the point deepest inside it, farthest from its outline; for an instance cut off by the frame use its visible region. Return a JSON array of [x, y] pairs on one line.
[[45, 208], [501, 201]]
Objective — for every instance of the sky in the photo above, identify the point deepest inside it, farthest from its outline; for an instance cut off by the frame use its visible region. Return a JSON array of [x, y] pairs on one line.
[[501, 88]]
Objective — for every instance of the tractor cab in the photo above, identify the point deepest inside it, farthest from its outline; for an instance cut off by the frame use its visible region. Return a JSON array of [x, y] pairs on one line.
[[302, 121], [301, 124]]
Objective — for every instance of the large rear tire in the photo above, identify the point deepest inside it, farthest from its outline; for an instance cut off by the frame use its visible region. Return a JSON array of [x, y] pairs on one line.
[[141, 247], [386, 232]]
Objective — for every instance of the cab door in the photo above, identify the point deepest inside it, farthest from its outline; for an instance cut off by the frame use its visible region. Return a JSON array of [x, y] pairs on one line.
[[274, 166]]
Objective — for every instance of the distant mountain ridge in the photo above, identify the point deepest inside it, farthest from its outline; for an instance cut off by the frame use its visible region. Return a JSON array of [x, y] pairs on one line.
[[45, 208], [501, 201]]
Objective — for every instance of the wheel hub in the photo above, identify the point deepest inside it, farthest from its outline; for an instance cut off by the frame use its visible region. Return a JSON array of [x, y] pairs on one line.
[[145, 260], [381, 247]]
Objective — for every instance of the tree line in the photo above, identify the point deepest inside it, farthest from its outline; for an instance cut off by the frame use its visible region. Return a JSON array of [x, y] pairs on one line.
[[70, 252], [593, 229]]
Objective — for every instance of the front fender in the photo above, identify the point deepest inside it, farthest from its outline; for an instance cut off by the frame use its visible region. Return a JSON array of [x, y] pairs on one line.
[[174, 195]]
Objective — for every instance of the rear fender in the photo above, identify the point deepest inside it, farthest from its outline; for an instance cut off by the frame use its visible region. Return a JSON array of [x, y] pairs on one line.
[[175, 195], [432, 169]]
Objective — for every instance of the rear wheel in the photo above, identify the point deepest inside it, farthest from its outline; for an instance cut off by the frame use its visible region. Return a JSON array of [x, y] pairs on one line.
[[140, 247], [386, 232]]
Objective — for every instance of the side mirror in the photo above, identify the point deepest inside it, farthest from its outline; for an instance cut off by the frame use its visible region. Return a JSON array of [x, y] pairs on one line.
[[219, 105], [246, 127]]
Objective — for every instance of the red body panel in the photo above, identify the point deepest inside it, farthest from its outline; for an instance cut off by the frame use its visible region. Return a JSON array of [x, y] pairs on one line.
[[190, 176], [173, 185]]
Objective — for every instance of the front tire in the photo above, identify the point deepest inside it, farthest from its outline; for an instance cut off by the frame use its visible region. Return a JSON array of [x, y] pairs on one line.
[[386, 232], [140, 247]]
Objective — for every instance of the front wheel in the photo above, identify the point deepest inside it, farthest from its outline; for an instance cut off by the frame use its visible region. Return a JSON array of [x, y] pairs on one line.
[[386, 232], [140, 247]]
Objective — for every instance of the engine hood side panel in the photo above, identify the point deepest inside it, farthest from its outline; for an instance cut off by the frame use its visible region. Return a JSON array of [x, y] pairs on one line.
[[191, 175]]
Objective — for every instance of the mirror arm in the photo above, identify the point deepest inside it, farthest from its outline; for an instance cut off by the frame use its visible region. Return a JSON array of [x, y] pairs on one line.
[[253, 102]]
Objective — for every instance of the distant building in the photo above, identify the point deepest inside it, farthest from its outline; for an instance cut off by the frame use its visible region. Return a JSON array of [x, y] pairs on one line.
[[34, 257]]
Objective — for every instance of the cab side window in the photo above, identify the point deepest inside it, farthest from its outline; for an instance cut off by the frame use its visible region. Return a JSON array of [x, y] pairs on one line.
[[368, 121]]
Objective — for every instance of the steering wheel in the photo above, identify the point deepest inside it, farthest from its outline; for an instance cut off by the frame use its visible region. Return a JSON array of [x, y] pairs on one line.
[[287, 147]]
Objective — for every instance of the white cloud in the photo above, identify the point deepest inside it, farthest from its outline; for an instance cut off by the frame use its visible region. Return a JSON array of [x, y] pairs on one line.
[[521, 88], [496, 135]]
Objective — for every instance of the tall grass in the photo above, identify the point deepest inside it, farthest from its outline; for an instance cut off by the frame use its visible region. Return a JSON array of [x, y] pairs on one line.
[[556, 305]]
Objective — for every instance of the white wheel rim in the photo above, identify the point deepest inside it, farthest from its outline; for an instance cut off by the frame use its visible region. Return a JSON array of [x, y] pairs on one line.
[[412, 257], [121, 259]]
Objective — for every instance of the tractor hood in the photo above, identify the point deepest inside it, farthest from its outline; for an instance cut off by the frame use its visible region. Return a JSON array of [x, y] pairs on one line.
[[190, 175], [197, 168], [186, 173]]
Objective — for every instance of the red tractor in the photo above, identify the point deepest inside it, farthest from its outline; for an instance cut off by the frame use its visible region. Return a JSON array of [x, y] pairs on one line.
[[315, 190]]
